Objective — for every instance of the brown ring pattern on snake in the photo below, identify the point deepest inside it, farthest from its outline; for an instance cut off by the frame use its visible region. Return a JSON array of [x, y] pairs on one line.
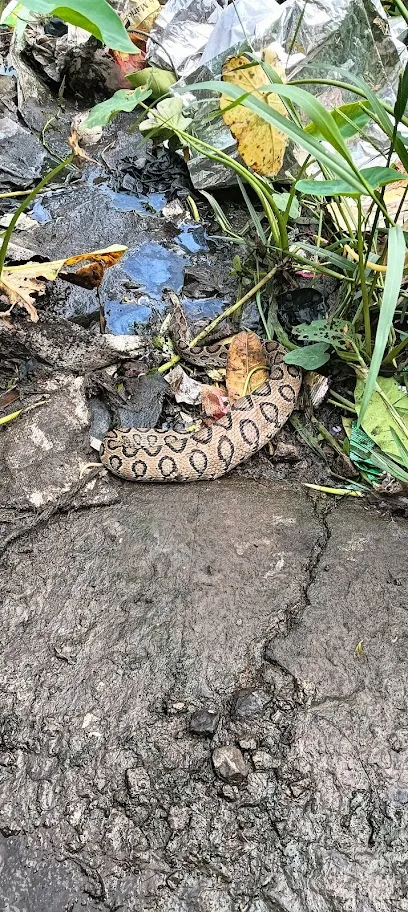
[[163, 456]]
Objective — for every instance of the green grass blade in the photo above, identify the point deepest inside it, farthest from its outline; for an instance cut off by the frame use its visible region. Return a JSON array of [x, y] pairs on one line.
[[376, 177], [393, 279], [253, 213], [329, 159]]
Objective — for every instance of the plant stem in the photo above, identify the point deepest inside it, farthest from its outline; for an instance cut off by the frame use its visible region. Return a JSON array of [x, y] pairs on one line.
[[366, 305], [395, 351], [9, 231], [402, 9], [223, 316], [230, 310], [348, 88]]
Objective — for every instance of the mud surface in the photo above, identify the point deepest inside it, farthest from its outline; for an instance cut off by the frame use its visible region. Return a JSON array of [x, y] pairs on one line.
[[284, 626]]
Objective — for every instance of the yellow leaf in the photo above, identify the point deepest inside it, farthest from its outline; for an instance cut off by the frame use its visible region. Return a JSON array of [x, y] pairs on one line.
[[20, 282], [260, 145], [246, 368]]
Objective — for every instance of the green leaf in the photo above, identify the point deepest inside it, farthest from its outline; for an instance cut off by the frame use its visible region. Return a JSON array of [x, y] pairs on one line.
[[402, 96], [378, 420], [95, 16], [392, 285], [310, 357], [123, 100], [336, 332], [376, 177], [252, 211], [338, 163], [369, 459], [166, 118], [342, 116], [158, 81], [281, 201]]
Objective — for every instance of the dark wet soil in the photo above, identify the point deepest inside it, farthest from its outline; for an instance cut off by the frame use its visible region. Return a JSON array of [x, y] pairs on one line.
[[284, 626], [202, 688]]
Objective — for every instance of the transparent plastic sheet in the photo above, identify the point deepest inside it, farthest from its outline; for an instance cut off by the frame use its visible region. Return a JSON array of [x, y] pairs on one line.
[[318, 38], [182, 31]]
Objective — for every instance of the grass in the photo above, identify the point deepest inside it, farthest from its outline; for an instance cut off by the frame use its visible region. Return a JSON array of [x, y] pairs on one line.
[[359, 242]]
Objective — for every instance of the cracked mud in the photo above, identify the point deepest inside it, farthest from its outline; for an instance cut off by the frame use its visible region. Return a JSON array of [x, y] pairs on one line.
[[186, 722]]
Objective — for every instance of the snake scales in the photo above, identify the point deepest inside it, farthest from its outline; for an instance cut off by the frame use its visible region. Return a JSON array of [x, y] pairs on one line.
[[157, 456]]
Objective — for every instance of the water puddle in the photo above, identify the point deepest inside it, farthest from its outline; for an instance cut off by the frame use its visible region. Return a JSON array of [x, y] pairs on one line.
[[127, 319], [40, 213], [155, 268], [192, 238]]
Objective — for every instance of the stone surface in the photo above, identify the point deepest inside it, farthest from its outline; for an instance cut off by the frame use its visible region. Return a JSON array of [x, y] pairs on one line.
[[229, 764], [116, 621], [249, 704], [43, 456], [204, 721]]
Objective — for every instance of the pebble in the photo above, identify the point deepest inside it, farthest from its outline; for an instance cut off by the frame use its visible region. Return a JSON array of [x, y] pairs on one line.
[[247, 744], [249, 704], [178, 818], [229, 764], [229, 792], [137, 781], [262, 760], [204, 721]]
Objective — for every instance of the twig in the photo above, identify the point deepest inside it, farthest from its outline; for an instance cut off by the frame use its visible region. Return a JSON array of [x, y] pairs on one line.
[[223, 316]]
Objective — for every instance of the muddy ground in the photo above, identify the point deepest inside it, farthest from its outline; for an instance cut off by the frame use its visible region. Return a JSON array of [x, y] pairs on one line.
[[284, 623], [202, 688]]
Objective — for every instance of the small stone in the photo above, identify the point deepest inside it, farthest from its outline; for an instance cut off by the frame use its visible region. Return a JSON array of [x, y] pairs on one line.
[[249, 704], [178, 818], [288, 452], [247, 744], [260, 786], [137, 781], [229, 764], [262, 760], [204, 721], [229, 792]]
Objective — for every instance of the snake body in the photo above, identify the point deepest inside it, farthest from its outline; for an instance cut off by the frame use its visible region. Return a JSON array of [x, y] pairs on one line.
[[161, 456]]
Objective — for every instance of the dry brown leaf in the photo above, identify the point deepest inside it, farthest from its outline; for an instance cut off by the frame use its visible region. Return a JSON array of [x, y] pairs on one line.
[[20, 283], [246, 367], [19, 290], [79, 155], [90, 276], [214, 403], [261, 145]]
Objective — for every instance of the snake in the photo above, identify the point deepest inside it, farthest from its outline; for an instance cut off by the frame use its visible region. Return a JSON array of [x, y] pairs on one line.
[[152, 455]]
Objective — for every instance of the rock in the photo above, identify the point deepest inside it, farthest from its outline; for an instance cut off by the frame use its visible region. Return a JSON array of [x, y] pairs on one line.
[[262, 760], [178, 818], [229, 792], [288, 452], [204, 721], [229, 764], [21, 155], [249, 704], [43, 454], [247, 744], [137, 781], [260, 786]]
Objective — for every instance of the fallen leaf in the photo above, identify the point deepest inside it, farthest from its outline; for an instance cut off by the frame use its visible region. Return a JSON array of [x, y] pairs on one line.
[[86, 277], [261, 145], [184, 388], [20, 283], [79, 154], [214, 402], [19, 290], [246, 367]]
